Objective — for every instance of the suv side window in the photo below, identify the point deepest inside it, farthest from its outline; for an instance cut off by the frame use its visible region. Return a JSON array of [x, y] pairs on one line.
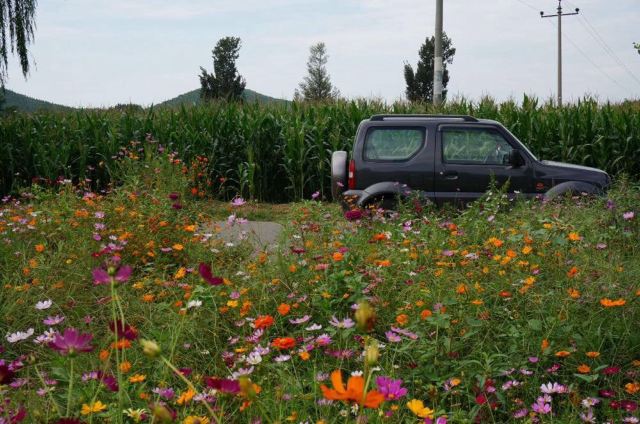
[[393, 144], [474, 146]]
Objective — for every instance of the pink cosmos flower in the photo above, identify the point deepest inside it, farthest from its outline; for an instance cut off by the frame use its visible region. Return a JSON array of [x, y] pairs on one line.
[[71, 342], [627, 216], [238, 201]]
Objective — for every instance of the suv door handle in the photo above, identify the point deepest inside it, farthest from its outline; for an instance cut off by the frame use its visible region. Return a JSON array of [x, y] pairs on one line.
[[450, 175]]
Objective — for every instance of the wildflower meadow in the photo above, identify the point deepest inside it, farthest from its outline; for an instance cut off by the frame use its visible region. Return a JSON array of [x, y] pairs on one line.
[[123, 305]]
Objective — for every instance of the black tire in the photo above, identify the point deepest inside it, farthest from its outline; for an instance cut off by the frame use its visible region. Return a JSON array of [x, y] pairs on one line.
[[338, 174], [571, 187]]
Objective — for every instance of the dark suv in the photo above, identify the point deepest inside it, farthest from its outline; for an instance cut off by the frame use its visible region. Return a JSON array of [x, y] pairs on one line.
[[447, 158]]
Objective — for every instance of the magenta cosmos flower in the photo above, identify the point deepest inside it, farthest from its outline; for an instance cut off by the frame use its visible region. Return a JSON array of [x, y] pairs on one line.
[[112, 268], [390, 388], [207, 275], [71, 342]]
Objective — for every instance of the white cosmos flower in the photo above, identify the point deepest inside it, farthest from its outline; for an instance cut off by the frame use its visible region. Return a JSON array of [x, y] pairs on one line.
[[194, 304], [44, 304], [19, 336], [46, 337], [254, 358]]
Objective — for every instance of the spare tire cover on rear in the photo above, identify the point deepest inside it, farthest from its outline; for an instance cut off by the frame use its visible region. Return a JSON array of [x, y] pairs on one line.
[[338, 173]]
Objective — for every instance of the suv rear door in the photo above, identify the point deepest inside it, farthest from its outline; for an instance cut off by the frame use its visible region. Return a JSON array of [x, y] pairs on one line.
[[466, 158], [400, 153]]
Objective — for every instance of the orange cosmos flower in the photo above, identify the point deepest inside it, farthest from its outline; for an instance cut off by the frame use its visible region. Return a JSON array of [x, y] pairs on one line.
[[284, 343], [592, 354], [382, 263], [562, 354], [584, 369], [572, 272], [402, 319], [573, 293], [284, 309], [573, 236], [426, 313], [337, 256], [39, 248], [125, 366], [354, 392], [138, 378], [608, 303], [632, 388], [263, 321], [186, 397]]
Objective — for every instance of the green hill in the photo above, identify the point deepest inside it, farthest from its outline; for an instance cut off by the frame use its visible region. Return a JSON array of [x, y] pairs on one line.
[[20, 102], [193, 98]]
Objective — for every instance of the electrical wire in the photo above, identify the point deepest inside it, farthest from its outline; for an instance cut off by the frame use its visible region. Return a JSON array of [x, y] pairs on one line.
[[593, 32]]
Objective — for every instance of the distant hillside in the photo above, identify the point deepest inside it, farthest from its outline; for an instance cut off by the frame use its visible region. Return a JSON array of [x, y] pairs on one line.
[[13, 100], [193, 97]]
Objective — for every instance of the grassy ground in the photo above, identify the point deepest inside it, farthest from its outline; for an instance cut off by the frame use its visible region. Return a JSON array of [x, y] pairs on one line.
[[471, 312]]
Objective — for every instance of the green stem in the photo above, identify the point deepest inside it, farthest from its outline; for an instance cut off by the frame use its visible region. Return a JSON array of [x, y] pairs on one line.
[[191, 386], [70, 387], [53, 401], [114, 318]]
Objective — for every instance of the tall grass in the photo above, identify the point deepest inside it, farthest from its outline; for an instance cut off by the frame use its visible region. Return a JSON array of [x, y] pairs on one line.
[[282, 152]]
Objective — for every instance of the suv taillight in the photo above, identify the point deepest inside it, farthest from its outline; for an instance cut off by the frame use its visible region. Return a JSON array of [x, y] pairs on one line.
[[352, 174]]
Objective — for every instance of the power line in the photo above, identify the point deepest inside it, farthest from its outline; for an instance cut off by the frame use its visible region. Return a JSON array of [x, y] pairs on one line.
[[528, 5], [593, 32]]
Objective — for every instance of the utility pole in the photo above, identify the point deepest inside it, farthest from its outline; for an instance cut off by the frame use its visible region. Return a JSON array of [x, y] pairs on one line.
[[437, 62], [559, 14]]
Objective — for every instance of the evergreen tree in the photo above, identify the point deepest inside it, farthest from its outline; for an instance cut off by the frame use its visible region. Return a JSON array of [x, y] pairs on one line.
[[420, 82], [224, 82], [17, 19], [637, 47], [317, 86]]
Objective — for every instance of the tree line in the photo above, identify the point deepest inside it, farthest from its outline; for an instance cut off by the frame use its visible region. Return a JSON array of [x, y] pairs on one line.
[[226, 83]]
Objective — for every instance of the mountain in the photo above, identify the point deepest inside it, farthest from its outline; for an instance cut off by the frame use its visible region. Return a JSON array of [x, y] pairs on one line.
[[193, 98], [13, 100]]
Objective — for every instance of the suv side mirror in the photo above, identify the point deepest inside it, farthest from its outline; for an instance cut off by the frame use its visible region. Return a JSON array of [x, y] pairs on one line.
[[516, 159]]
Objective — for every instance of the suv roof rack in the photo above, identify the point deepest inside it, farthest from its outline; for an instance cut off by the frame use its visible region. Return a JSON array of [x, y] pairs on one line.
[[466, 118]]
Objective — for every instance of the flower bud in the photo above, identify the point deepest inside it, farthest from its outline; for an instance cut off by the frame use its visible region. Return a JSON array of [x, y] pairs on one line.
[[365, 316], [150, 348], [372, 352]]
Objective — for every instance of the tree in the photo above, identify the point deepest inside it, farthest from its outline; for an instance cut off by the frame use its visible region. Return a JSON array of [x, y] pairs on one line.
[[317, 86], [17, 19], [420, 82], [224, 82], [637, 47]]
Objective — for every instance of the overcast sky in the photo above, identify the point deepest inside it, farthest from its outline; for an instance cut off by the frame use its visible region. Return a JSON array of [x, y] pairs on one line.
[[103, 52]]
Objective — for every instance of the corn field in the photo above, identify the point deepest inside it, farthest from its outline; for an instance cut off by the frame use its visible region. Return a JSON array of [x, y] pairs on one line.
[[279, 153]]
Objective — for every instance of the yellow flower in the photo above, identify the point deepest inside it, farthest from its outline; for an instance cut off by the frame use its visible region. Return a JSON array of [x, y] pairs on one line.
[[417, 407], [93, 407], [177, 246]]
